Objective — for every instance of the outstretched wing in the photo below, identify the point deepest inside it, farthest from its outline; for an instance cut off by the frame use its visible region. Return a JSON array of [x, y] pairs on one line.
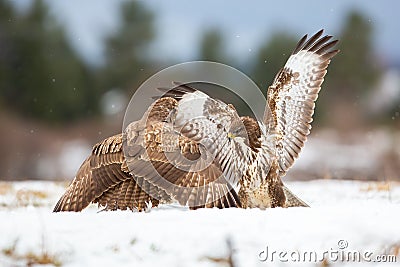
[[292, 96], [105, 179], [158, 158]]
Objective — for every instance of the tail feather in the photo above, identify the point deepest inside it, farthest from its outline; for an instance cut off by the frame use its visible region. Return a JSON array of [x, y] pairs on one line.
[[292, 200]]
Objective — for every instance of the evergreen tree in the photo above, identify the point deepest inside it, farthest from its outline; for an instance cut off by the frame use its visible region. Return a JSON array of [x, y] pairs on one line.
[[126, 58], [355, 70], [44, 77], [211, 46], [6, 30], [351, 76], [270, 58]]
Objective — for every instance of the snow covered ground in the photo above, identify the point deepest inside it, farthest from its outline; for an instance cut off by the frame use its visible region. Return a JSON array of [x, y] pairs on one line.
[[346, 219]]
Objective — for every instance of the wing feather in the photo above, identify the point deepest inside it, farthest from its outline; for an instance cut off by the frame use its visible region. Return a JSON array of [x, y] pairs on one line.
[[103, 179], [179, 154], [153, 159], [209, 121], [292, 96]]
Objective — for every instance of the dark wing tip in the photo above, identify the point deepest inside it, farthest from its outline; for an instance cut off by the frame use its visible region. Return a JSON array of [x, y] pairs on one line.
[[330, 54], [305, 44], [62, 205], [300, 44], [317, 44], [176, 92], [323, 47], [57, 207]]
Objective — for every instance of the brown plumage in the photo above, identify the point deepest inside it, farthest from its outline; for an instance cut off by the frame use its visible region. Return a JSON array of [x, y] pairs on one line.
[[199, 152], [104, 178]]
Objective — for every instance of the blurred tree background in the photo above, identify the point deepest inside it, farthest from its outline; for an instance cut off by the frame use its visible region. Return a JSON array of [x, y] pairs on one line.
[[126, 59], [41, 75], [355, 73], [271, 57], [211, 46], [44, 80]]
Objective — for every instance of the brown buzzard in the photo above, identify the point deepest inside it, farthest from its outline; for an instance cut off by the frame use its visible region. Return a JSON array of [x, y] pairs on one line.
[[197, 151]]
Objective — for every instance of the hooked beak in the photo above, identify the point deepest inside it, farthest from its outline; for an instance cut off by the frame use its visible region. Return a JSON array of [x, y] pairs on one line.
[[231, 135]]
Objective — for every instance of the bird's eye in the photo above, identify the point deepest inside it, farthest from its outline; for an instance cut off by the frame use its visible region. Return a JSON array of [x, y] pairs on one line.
[[240, 130]]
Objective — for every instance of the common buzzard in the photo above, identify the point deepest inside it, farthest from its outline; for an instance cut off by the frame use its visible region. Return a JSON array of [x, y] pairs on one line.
[[195, 150]]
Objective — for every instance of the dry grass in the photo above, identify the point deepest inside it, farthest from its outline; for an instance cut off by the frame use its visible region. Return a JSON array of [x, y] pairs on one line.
[[5, 188], [325, 263], [377, 186], [228, 260], [393, 249], [115, 248], [10, 251], [24, 194], [22, 197], [26, 197], [31, 258], [41, 259]]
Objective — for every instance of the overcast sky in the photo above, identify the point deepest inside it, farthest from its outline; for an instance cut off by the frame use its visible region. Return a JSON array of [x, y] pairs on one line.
[[245, 23]]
